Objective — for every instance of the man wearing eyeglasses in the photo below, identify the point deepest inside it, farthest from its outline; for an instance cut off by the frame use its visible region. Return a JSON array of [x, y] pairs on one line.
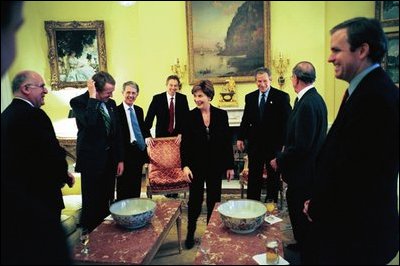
[[33, 170], [36, 97]]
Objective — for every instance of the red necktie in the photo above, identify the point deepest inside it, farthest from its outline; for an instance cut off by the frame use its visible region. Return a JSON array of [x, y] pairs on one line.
[[171, 116], [344, 100]]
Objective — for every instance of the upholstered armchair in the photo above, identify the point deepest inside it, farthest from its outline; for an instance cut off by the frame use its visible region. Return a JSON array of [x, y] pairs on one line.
[[164, 174]]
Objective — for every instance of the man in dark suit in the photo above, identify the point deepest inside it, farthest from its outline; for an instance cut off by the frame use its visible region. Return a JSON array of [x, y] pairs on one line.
[[263, 125], [33, 170], [160, 108], [170, 108], [206, 154], [99, 148], [306, 131], [133, 132], [353, 207]]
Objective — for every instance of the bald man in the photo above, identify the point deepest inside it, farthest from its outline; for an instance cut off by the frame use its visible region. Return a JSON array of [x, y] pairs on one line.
[[306, 131], [33, 171]]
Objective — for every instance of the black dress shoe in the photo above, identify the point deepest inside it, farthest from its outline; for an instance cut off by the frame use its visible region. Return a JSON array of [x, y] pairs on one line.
[[189, 243], [293, 247]]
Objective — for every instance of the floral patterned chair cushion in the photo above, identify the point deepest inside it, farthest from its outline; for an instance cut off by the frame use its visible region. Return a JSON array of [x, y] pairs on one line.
[[164, 172]]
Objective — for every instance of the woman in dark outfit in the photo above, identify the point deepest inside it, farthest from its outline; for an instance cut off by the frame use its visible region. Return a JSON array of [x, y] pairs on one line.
[[206, 154]]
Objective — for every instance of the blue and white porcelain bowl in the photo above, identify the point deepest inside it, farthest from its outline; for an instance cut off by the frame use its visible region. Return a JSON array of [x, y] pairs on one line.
[[133, 213], [242, 216]]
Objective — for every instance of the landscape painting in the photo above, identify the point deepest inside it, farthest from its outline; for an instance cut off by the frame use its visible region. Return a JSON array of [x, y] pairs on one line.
[[391, 60], [227, 39], [387, 12]]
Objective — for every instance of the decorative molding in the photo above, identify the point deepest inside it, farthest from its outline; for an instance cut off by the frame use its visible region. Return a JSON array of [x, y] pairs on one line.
[[234, 115]]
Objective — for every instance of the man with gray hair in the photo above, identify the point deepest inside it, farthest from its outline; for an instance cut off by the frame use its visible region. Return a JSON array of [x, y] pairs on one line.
[[134, 132], [306, 131], [33, 170]]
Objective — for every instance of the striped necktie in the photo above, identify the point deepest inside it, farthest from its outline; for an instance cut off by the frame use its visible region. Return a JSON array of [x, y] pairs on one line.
[[106, 117]]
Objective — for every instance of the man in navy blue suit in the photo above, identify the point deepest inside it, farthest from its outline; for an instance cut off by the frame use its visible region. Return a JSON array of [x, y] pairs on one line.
[[353, 207]]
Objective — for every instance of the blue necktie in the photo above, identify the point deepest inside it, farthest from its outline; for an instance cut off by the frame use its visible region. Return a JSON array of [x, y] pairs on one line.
[[262, 105], [136, 129]]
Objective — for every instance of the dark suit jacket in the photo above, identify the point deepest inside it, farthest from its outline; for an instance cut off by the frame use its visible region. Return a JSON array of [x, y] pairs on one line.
[[306, 131], [159, 108], [202, 156], [33, 170], [266, 136], [93, 144], [126, 137], [354, 204]]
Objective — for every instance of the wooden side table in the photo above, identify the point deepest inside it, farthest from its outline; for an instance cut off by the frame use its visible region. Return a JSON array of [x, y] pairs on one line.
[[219, 245], [111, 244]]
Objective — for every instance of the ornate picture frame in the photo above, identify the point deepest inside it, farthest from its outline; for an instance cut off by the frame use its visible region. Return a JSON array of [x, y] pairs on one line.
[[223, 44], [77, 51], [387, 12], [391, 60]]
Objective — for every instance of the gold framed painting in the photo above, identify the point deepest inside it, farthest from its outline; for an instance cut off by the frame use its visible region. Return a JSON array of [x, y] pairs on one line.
[[227, 39], [387, 12], [391, 60], [77, 51]]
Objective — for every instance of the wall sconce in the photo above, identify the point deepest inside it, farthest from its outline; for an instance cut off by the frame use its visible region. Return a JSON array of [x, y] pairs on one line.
[[179, 71], [280, 66]]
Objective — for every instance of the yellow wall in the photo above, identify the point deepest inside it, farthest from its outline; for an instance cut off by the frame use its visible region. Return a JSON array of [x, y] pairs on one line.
[[144, 40], [335, 13], [297, 30]]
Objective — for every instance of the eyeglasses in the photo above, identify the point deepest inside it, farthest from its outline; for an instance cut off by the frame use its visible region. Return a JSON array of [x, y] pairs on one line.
[[43, 86]]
